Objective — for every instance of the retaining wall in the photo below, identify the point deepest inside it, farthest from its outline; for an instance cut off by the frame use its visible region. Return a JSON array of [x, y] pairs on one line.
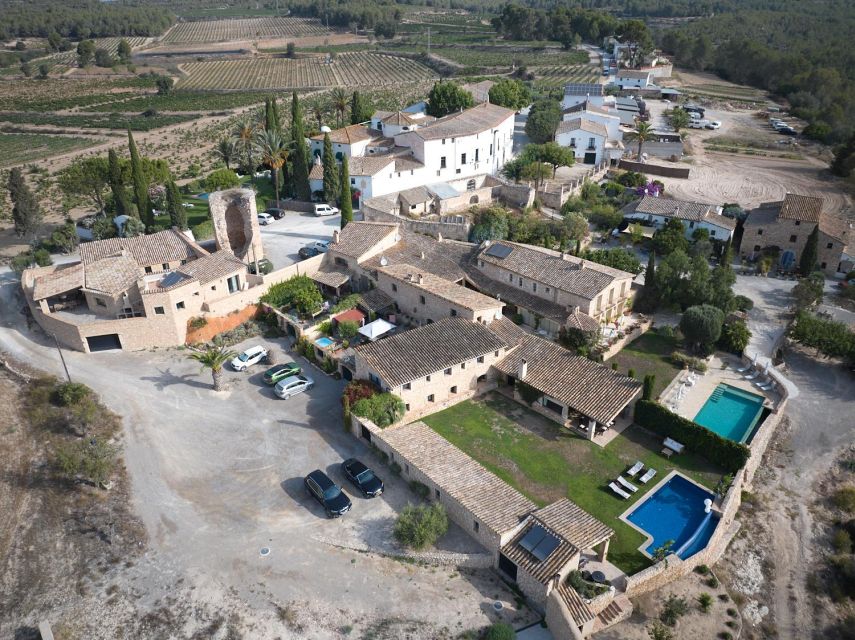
[[654, 169]]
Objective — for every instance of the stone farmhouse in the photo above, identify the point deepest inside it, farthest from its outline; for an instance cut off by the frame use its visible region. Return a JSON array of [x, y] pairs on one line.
[[657, 211], [398, 151], [786, 224]]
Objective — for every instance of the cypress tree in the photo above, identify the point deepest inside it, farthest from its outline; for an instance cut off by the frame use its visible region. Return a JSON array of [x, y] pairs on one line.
[[274, 109], [140, 186], [359, 109], [810, 254], [16, 184], [300, 156], [346, 201], [727, 254], [26, 213], [330, 171], [117, 186], [177, 215]]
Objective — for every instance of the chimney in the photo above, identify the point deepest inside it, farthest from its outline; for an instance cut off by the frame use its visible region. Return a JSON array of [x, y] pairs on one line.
[[439, 237], [423, 255], [523, 370], [419, 278], [336, 235]]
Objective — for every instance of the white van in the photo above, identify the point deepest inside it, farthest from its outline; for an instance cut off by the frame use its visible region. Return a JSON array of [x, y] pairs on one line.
[[325, 210]]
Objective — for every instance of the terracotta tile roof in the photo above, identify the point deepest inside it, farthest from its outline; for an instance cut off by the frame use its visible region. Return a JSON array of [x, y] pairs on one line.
[[359, 166], [798, 207], [157, 248], [582, 124], [402, 119], [582, 322], [581, 277], [507, 331], [375, 300], [482, 117], [357, 238], [440, 287], [575, 604], [66, 277], [836, 227], [587, 105], [574, 524], [331, 276], [351, 315], [680, 209], [490, 500], [212, 267], [349, 134], [407, 164], [424, 351], [585, 386], [541, 570], [416, 195], [444, 259], [112, 274], [516, 296]]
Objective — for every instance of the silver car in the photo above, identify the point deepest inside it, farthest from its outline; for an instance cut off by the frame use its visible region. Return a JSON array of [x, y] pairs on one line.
[[293, 385]]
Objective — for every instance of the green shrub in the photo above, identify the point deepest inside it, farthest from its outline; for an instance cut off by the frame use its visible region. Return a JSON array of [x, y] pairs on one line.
[[702, 569], [91, 458], [743, 303], [329, 365], [356, 390], [725, 635], [727, 454], [298, 292], [347, 329], [198, 322], [682, 360], [382, 409], [500, 631], [325, 327], [420, 526], [844, 498], [841, 541], [732, 612], [705, 602], [222, 179], [712, 582], [734, 337], [68, 394], [346, 303], [203, 230], [420, 489], [649, 384], [673, 609], [395, 468]]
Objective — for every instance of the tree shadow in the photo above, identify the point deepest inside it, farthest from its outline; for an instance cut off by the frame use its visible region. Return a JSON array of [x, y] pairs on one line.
[[168, 379]]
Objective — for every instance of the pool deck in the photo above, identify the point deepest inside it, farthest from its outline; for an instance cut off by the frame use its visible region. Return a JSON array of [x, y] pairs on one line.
[[695, 396]]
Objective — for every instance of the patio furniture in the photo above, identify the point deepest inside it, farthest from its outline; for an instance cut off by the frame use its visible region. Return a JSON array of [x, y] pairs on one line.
[[762, 382], [667, 452], [623, 494], [648, 476], [627, 485], [598, 576], [768, 386], [745, 368], [675, 446], [752, 376], [634, 469]]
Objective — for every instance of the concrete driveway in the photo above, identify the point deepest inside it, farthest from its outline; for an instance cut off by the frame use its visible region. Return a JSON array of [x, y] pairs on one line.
[[283, 238]]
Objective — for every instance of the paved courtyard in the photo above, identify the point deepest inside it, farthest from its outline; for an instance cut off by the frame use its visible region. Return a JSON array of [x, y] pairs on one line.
[[284, 238]]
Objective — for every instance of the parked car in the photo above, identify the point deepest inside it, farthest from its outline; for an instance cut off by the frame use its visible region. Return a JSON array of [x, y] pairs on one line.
[[334, 501], [276, 213], [293, 385], [326, 210], [251, 356], [788, 131], [264, 267], [314, 248], [697, 124], [362, 478], [281, 371], [714, 124], [264, 218]]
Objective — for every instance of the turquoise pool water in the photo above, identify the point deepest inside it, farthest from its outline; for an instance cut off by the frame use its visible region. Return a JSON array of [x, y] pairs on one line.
[[731, 413], [323, 343], [676, 511]]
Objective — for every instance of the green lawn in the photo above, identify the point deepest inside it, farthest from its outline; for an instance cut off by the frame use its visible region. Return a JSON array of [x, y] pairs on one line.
[[651, 353], [546, 462]]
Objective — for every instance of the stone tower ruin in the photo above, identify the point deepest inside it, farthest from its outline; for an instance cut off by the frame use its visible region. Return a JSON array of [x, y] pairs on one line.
[[236, 223]]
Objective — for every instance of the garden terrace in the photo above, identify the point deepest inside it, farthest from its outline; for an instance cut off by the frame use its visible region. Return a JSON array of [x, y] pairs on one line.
[[650, 354]]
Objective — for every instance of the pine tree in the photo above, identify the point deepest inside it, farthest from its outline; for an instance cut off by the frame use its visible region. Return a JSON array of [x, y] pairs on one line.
[[300, 158], [139, 182], [26, 213], [117, 186], [346, 201], [810, 254], [174, 206], [330, 171]]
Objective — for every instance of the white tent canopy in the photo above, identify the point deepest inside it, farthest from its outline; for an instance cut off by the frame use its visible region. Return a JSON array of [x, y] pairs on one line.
[[374, 330]]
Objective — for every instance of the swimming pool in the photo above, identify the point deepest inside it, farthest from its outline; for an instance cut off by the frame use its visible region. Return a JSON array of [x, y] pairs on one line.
[[324, 343], [675, 511], [731, 413]]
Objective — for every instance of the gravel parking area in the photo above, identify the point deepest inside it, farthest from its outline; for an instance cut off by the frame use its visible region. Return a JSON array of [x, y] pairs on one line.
[[284, 238]]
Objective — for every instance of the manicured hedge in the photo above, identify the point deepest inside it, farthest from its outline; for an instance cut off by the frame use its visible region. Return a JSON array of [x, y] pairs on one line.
[[727, 454]]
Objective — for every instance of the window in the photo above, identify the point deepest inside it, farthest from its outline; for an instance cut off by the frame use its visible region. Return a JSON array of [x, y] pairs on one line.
[[462, 158], [213, 287], [547, 289], [453, 313], [179, 305], [534, 286], [480, 360], [477, 155], [341, 262], [470, 186], [148, 269], [798, 222], [430, 398], [165, 266], [448, 372], [463, 365], [427, 378], [793, 238], [756, 247], [759, 232], [475, 526], [100, 302], [407, 406], [353, 181], [234, 284], [591, 143], [408, 386], [521, 282], [422, 299], [480, 263], [407, 469], [491, 149], [436, 493], [822, 265], [442, 162], [572, 143], [375, 380], [394, 287], [184, 262], [159, 311], [829, 245], [510, 277], [453, 389], [443, 141], [496, 353], [712, 233]]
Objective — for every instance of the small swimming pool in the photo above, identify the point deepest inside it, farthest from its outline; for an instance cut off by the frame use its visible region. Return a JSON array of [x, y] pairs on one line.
[[675, 511], [731, 413], [324, 343], [203, 196]]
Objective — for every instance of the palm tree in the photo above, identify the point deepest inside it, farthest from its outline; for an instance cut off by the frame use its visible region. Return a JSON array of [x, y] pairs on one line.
[[340, 103], [244, 142], [274, 153], [227, 151], [213, 358], [643, 133], [319, 111]]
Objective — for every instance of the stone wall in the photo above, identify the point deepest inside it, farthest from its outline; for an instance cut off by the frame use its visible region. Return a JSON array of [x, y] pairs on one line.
[[434, 228], [561, 624], [636, 333], [654, 169]]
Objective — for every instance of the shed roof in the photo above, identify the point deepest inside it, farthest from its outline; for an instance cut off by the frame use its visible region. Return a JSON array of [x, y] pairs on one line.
[[64, 278], [331, 276], [351, 315], [798, 207], [583, 124]]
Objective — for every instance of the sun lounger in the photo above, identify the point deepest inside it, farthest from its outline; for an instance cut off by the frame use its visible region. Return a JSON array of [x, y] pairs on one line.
[[627, 485], [675, 446], [744, 369], [648, 476], [623, 494], [752, 376], [762, 382], [766, 386], [634, 469]]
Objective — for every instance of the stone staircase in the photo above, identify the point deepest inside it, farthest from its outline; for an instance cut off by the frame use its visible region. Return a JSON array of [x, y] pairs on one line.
[[618, 610]]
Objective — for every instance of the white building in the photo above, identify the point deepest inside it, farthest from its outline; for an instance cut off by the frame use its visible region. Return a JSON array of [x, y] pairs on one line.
[[632, 79], [577, 93], [656, 211]]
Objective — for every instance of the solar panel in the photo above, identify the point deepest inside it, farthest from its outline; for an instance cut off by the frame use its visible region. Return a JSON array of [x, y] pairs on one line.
[[545, 547], [500, 251], [533, 538], [171, 278]]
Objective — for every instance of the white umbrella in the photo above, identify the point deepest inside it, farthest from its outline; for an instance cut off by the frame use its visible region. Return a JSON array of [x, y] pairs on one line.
[[374, 330]]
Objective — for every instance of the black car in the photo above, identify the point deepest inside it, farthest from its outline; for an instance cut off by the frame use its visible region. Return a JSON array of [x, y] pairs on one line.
[[264, 265], [276, 213], [328, 493], [362, 478], [308, 252]]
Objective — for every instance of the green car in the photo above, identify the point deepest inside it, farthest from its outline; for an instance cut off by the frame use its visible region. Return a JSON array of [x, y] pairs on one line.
[[281, 371]]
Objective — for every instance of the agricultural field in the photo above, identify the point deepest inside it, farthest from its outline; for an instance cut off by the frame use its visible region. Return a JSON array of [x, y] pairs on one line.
[[105, 121], [546, 77], [20, 148], [181, 101], [110, 44], [243, 29], [346, 70], [455, 18], [506, 56]]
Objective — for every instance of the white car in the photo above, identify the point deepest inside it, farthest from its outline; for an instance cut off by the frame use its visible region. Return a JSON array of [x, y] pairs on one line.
[[714, 124], [321, 246], [697, 124], [326, 210], [251, 356], [264, 218], [292, 386]]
